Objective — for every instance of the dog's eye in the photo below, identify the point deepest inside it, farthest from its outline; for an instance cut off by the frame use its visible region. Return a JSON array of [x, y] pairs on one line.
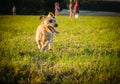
[[50, 21]]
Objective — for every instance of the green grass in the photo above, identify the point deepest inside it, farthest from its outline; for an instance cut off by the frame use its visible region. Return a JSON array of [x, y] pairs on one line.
[[86, 51]]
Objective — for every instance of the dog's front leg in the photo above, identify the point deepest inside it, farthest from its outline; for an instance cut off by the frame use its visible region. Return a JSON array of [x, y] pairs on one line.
[[44, 46], [50, 46]]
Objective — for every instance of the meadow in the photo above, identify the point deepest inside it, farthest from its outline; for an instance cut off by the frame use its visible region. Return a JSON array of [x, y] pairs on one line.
[[86, 51]]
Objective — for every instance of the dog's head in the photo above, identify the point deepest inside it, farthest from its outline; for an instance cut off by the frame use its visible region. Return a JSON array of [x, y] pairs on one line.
[[49, 22]]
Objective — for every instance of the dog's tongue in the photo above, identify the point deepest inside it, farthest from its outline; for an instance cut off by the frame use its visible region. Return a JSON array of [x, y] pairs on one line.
[[53, 30]]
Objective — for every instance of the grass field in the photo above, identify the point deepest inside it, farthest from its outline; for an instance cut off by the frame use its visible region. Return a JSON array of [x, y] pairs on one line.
[[86, 51]]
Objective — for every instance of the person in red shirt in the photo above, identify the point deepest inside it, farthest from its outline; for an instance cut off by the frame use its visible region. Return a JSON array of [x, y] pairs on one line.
[[76, 8]]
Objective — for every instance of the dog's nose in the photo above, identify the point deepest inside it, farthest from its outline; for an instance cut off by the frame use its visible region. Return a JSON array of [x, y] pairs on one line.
[[56, 25]]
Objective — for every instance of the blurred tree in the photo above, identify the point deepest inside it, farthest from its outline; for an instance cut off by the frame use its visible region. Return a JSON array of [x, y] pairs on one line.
[[45, 6]]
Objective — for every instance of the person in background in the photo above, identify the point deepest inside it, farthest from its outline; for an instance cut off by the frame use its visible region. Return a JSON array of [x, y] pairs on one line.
[[14, 10], [57, 9], [76, 9], [71, 8]]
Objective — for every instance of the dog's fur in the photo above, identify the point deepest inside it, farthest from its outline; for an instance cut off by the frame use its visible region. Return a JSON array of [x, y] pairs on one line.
[[45, 32]]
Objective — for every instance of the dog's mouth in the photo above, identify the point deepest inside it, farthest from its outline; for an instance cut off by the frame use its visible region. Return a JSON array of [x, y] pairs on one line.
[[52, 29]]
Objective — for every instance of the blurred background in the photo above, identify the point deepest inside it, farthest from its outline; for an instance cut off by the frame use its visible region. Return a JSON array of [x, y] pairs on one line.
[[34, 7]]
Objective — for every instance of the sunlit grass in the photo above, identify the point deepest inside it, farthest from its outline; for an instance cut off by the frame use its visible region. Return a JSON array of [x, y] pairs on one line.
[[86, 50]]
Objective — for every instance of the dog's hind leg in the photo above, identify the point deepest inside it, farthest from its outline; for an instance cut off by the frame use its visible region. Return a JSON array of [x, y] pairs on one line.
[[44, 46], [39, 44]]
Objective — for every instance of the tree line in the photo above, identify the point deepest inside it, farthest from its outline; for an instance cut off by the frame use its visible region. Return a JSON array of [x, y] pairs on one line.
[[44, 6]]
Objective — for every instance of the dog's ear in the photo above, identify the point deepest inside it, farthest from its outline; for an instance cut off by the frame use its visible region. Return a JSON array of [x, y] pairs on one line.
[[51, 15], [42, 17]]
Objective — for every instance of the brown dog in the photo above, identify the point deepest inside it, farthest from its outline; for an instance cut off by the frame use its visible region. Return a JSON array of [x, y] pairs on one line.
[[45, 32]]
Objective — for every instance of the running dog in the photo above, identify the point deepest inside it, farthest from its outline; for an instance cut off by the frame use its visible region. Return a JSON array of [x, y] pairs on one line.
[[45, 32]]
